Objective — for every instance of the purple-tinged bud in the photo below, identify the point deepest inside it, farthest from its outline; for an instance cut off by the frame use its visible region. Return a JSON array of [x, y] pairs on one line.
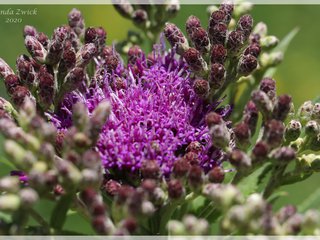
[[247, 64], [28, 197], [213, 118], [216, 175], [263, 102], [201, 40], [293, 224], [195, 176], [245, 25], [9, 184], [192, 24], [285, 213], [5, 69], [11, 82], [260, 150], [176, 38], [201, 87], [140, 17], [195, 60], [43, 39], [217, 75], [35, 48], [181, 168], [19, 95], [227, 7], [251, 114], [218, 34], [89, 196], [85, 54], [100, 225], [26, 71], [216, 17], [73, 80], [220, 136], [282, 107], [130, 224], [150, 169], [134, 54], [111, 63], [61, 34], [172, 8], [305, 111], [268, 85], [195, 147], [293, 130], [218, 54], [284, 154], [76, 21], [46, 87], [123, 7], [242, 134], [112, 187], [239, 159], [274, 133], [253, 49], [235, 41], [192, 158], [123, 194], [29, 31], [69, 58], [149, 185], [91, 159], [175, 189]]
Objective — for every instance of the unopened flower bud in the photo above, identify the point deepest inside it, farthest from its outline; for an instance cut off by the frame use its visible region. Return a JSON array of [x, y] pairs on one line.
[[201, 87], [5, 69], [175, 189], [217, 75], [9, 202], [19, 95], [181, 168], [172, 8], [46, 87], [235, 41], [192, 23], [97, 36], [140, 17], [245, 25], [282, 107], [243, 8], [253, 49], [195, 226], [305, 111], [99, 118], [247, 64], [311, 221], [176, 228], [220, 136], [134, 54], [293, 224], [269, 42], [26, 71], [242, 134], [35, 48], [216, 17], [195, 176], [268, 85], [195, 60], [227, 7], [201, 40], [284, 154], [123, 7], [271, 59], [316, 111], [274, 133], [11, 82], [216, 175], [73, 80], [263, 102], [9, 184], [76, 21], [85, 54], [312, 128], [213, 118], [218, 33], [260, 150], [293, 130], [29, 31], [150, 169], [43, 39], [239, 159], [176, 38], [28, 197], [195, 147], [218, 54]]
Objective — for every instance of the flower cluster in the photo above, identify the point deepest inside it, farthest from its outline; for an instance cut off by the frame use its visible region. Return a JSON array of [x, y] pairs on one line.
[[142, 143]]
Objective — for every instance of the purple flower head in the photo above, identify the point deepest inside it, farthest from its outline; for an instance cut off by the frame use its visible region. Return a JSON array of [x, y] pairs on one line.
[[155, 117]]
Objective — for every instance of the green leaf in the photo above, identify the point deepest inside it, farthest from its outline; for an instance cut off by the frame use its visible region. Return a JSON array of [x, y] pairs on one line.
[[251, 183], [282, 47], [312, 201], [59, 214]]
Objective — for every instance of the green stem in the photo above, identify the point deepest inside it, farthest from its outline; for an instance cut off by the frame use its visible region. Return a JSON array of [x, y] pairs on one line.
[[166, 215], [274, 181]]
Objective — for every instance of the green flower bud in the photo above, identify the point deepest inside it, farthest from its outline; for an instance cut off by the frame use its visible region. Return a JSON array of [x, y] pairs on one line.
[[261, 29], [176, 228], [242, 8], [28, 197], [9, 202], [293, 130], [271, 60], [269, 42], [311, 222], [305, 111], [9, 184]]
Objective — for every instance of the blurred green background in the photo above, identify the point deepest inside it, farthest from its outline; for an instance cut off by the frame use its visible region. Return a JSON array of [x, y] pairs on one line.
[[298, 75]]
